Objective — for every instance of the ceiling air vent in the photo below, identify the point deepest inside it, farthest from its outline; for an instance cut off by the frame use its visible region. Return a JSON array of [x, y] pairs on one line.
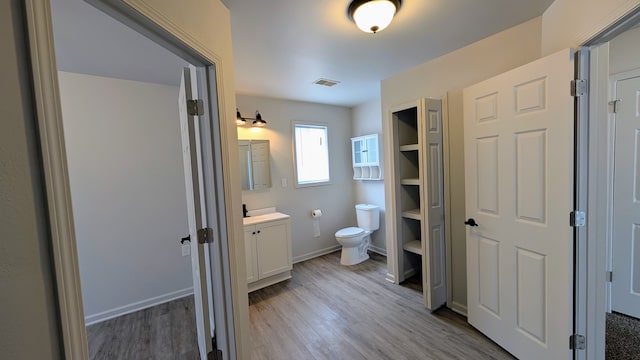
[[326, 82]]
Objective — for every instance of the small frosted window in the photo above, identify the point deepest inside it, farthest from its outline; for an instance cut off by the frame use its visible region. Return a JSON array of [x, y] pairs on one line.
[[311, 154]]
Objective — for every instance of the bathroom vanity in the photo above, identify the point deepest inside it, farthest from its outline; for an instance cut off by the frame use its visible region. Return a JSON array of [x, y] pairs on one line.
[[267, 240]]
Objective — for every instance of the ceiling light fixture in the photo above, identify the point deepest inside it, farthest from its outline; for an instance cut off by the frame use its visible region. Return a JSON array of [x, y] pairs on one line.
[[257, 121], [373, 15]]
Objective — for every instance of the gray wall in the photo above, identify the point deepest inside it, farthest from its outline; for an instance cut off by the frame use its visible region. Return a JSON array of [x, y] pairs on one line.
[[127, 188], [336, 200], [28, 310], [367, 119]]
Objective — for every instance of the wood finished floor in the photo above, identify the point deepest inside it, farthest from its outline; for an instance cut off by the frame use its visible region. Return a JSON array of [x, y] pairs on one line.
[[328, 311], [166, 331]]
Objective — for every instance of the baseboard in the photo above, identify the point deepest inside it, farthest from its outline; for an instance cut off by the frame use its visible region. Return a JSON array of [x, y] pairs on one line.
[[378, 250], [314, 254], [458, 308], [390, 278], [136, 306]]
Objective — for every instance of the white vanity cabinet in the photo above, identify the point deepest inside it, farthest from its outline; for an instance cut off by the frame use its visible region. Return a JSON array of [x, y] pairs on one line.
[[268, 249]]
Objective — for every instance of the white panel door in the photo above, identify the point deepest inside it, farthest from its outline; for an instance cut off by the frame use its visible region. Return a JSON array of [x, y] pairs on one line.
[[518, 144], [434, 280], [625, 287], [196, 210]]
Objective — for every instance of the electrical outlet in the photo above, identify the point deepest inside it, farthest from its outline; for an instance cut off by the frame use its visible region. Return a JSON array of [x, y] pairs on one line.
[[186, 249]]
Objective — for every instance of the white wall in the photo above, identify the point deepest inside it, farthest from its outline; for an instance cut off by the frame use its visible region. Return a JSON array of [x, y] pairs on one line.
[[569, 23], [336, 200], [127, 185], [29, 325], [448, 75], [625, 52], [367, 119]]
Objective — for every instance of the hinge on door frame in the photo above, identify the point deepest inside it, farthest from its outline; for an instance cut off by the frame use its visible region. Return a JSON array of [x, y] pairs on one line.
[[579, 87], [205, 236], [195, 107], [609, 276], [577, 342], [577, 218]]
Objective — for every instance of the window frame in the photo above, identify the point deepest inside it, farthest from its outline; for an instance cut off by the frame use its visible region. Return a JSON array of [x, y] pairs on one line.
[[319, 125]]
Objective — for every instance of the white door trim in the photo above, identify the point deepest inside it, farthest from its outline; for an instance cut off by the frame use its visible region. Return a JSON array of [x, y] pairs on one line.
[[47, 103], [58, 191]]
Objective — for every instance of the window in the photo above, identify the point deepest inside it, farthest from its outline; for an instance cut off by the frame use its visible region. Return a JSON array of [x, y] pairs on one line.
[[311, 153]]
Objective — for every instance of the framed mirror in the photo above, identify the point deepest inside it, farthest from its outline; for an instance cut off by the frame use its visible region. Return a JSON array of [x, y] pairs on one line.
[[255, 170]]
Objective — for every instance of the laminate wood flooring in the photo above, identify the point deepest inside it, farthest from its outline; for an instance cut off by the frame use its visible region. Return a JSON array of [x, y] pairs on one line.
[[329, 311], [166, 331]]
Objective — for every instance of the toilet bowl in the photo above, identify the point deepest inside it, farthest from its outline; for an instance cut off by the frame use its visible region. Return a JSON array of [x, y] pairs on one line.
[[355, 240]]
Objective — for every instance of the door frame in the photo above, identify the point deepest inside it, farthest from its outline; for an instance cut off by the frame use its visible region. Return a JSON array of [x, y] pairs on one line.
[[146, 20], [592, 264]]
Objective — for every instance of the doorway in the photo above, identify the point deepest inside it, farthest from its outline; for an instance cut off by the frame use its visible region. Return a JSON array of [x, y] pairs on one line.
[[614, 64]]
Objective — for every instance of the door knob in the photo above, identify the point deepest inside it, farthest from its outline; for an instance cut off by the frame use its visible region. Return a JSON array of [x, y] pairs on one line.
[[471, 222]]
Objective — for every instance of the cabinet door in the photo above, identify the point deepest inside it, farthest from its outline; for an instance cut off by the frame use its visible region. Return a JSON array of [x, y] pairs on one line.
[[251, 253], [371, 145], [274, 248], [357, 149]]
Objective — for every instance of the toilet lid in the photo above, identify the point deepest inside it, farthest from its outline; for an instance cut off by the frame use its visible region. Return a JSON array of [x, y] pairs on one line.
[[349, 232]]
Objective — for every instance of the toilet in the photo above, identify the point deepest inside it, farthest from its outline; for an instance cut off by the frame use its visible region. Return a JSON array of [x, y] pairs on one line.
[[355, 240]]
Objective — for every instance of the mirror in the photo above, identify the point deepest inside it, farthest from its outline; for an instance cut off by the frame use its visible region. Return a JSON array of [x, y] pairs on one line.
[[255, 171]]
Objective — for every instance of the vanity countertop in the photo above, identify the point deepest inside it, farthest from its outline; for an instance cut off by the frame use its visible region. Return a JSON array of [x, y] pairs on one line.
[[251, 220]]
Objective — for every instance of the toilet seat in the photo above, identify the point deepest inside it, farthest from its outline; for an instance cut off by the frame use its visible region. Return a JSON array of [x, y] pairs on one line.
[[349, 232]]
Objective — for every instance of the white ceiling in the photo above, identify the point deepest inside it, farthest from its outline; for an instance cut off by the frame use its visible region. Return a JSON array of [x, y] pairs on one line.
[[282, 46]]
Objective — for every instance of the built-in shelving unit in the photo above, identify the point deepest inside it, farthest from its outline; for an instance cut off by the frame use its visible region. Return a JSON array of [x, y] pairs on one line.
[[419, 202]]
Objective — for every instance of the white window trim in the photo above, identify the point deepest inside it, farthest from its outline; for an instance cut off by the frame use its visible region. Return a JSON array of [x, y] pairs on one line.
[[296, 183]]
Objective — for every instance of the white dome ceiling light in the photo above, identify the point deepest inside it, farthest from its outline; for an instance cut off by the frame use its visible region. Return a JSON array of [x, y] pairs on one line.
[[373, 15]]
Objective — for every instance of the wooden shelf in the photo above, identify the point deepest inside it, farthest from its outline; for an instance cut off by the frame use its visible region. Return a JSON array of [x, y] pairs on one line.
[[412, 214], [409, 147], [414, 246], [413, 181]]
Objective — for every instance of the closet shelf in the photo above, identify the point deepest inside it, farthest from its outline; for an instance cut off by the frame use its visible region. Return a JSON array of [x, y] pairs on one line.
[[412, 214], [409, 147], [414, 246], [412, 181]]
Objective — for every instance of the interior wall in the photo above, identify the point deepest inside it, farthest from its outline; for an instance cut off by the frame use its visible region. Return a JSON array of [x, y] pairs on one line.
[[625, 52], [335, 199], [127, 186], [29, 327], [448, 75], [367, 119], [569, 23]]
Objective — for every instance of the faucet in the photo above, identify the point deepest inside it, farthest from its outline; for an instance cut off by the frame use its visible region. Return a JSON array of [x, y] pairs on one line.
[[244, 211]]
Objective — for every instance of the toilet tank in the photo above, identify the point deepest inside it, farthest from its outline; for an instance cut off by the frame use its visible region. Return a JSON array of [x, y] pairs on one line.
[[368, 216]]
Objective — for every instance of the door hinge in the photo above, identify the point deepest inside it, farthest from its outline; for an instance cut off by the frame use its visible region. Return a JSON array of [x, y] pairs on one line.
[[577, 342], [205, 236], [577, 218], [615, 104], [195, 107], [609, 276], [578, 87]]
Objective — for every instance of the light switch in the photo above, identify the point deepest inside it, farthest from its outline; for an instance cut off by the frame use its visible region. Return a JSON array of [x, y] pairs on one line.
[[284, 182]]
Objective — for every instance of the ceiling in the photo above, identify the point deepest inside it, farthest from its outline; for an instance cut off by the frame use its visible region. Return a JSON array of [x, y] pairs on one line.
[[282, 46]]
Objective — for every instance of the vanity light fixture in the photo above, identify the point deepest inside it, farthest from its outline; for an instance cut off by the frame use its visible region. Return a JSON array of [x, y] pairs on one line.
[[257, 121], [240, 121], [373, 15]]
